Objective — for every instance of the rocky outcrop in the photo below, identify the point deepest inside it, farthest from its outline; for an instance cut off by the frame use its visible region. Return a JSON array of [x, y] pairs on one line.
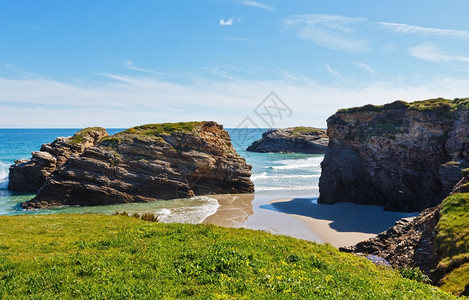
[[404, 156], [147, 163], [409, 243], [30, 175], [417, 242], [292, 140]]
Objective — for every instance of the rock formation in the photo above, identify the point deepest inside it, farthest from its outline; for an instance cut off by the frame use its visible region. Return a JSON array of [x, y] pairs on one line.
[[404, 156], [147, 163], [292, 140], [30, 175], [409, 243]]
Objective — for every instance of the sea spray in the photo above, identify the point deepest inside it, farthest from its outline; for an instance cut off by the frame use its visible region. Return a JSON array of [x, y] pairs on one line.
[[295, 164], [195, 212], [4, 169]]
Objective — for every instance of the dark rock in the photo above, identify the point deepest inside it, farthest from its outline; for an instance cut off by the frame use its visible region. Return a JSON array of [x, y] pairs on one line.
[[30, 175], [292, 140], [395, 155], [147, 163], [409, 243]]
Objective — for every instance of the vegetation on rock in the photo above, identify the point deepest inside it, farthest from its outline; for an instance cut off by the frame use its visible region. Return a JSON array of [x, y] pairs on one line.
[[453, 242], [117, 257], [299, 130], [437, 104], [79, 137]]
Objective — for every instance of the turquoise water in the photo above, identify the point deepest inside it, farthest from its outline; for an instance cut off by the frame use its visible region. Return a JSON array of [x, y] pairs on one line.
[[274, 175]]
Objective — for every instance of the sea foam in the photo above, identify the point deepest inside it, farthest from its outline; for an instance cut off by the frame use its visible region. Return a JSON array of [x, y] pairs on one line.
[[197, 210], [3, 176]]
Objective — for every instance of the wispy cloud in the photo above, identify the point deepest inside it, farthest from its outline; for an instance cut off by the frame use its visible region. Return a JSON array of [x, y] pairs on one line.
[[131, 66], [412, 29], [229, 22], [430, 52], [130, 101], [333, 72], [364, 67], [330, 31], [258, 5]]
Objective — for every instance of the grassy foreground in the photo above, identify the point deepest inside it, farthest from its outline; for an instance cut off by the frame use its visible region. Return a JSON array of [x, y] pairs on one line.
[[118, 257]]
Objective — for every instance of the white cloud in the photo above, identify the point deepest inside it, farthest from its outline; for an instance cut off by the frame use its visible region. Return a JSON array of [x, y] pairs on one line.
[[364, 67], [405, 28], [330, 31], [332, 71], [258, 5], [229, 22], [430, 52], [127, 101]]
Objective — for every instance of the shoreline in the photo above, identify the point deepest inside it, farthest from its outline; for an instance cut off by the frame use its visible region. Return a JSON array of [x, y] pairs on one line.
[[339, 224]]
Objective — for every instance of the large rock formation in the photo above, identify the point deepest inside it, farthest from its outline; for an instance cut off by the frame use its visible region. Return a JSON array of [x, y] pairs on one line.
[[404, 156], [292, 140], [30, 175], [147, 163]]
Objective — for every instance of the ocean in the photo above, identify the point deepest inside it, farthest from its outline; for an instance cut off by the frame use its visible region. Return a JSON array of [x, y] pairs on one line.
[[275, 176]]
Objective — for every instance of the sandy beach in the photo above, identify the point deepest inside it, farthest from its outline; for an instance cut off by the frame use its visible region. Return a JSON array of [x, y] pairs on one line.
[[340, 224], [233, 212]]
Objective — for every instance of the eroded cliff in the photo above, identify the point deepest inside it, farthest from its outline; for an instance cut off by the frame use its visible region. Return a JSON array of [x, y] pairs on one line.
[[147, 163], [30, 175], [404, 156]]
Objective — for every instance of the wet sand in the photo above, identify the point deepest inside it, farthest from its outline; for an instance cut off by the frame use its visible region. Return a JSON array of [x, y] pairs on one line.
[[234, 210], [340, 224]]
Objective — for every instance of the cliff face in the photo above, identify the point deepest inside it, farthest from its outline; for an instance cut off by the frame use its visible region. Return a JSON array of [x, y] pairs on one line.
[[30, 175], [292, 140], [147, 163], [404, 156]]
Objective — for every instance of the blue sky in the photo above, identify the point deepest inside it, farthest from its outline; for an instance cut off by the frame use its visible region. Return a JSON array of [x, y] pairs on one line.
[[125, 63]]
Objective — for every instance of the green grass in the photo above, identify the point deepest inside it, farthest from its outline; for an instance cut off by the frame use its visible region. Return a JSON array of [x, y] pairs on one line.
[[118, 257], [154, 131], [453, 241], [440, 105], [453, 227], [300, 130], [78, 137], [165, 128]]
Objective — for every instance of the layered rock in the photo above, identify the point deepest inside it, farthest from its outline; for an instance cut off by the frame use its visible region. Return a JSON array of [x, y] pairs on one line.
[[409, 243], [30, 175], [147, 163], [292, 140], [404, 156]]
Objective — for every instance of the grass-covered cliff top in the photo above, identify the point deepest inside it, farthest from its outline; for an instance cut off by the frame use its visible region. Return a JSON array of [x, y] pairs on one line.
[[301, 130], [453, 241], [118, 257], [438, 104], [78, 137], [149, 131]]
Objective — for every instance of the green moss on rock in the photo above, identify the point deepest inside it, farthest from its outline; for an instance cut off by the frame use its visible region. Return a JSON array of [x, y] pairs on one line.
[[78, 137], [301, 130], [437, 104], [154, 132]]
